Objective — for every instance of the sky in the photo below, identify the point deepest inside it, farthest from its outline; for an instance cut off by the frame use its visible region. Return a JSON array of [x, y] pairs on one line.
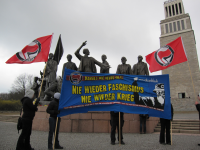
[[115, 28]]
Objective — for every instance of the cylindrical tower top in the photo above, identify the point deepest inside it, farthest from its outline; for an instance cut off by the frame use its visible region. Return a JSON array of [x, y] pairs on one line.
[[173, 8]]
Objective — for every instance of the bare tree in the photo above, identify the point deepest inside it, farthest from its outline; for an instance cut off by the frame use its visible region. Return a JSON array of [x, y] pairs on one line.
[[22, 82]]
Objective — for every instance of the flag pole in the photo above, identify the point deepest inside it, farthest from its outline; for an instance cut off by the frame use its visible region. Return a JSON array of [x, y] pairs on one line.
[[55, 134], [191, 79], [119, 130], [41, 84], [171, 131], [42, 79]]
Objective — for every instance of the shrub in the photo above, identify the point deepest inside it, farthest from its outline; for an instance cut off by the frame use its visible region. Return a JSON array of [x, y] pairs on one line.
[[10, 105]]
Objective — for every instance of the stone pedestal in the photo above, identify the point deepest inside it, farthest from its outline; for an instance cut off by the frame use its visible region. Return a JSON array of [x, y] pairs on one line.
[[91, 122]]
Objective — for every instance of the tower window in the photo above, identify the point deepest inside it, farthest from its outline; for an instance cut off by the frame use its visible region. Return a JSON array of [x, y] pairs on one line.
[[174, 24], [180, 8], [166, 11], [183, 25], [178, 24], [173, 11], [166, 28], [181, 95], [170, 14], [176, 6], [170, 27]]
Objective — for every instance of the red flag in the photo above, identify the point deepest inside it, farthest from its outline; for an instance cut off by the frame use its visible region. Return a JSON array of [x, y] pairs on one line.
[[36, 51], [171, 54]]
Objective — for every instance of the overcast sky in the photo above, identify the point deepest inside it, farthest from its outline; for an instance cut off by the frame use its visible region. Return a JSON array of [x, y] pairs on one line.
[[113, 27]]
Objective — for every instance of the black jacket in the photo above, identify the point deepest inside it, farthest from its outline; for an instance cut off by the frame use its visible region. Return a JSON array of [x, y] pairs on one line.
[[28, 108], [52, 109], [198, 109]]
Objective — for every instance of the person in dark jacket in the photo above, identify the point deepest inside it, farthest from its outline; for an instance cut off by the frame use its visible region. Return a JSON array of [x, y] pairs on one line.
[[115, 124], [52, 109], [29, 110], [198, 109], [143, 118], [165, 125]]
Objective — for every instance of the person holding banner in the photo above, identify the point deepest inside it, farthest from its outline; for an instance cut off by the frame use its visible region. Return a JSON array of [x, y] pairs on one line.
[[52, 109], [165, 126], [198, 109], [115, 124], [121, 69], [29, 110]]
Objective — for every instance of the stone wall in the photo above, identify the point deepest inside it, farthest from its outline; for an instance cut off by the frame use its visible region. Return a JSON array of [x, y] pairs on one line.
[[91, 122]]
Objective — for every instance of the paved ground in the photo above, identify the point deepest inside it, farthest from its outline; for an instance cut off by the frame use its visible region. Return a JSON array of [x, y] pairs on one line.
[[98, 141]]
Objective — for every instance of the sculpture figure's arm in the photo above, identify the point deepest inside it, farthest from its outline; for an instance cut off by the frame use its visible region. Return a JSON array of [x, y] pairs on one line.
[[77, 52], [101, 64]]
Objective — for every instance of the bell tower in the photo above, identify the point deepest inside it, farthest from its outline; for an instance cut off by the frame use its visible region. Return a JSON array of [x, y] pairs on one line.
[[184, 77]]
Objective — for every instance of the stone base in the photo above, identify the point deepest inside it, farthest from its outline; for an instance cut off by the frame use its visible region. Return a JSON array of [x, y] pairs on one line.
[[91, 122], [44, 103]]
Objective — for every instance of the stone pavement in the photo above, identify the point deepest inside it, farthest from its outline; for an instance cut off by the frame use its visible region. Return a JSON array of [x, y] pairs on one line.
[[97, 141]]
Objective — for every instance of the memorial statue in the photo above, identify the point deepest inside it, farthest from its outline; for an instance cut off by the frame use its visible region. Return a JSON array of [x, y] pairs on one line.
[[69, 65], [103, 69], [36, 86], [52, 89], [87, 64], [124, 68], [140, 68], [51, 69]]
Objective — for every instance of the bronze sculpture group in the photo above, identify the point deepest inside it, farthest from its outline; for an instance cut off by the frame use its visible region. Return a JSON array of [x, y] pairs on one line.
[[52, 83]]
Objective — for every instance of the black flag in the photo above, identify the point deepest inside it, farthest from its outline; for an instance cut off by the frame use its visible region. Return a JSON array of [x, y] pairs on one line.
[[58, 51]]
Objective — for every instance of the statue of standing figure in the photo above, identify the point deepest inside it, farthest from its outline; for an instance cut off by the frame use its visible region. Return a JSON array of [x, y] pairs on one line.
[[103, 69], [51, 81], [124, 68], [69, 64], [87, 64], [51, 69], [140, 68]]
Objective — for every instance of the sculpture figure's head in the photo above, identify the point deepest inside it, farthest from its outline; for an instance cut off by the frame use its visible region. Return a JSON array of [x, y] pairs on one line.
[[86, 51]]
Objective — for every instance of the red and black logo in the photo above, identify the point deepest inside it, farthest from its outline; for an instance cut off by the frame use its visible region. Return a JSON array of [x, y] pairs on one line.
[[30, 52], [76, 77], [164, 55]]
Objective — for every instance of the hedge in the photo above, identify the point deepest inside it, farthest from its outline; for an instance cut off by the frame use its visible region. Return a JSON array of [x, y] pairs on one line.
[[10, 105]]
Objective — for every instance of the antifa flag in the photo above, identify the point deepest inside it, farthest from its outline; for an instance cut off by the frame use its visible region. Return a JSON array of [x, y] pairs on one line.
[[59, 51], [36, 51], [171, 54]]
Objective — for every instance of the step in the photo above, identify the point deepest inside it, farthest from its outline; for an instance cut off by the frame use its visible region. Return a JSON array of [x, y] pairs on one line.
[[184, 128], [183, 125], [180, 131]]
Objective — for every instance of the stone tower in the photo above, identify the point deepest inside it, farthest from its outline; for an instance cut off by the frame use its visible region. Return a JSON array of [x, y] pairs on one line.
[[184, 77]]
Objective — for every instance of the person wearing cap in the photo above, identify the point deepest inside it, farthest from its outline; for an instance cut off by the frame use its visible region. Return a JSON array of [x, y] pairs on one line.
[[140, 68], [52, 109], [29, 110]]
